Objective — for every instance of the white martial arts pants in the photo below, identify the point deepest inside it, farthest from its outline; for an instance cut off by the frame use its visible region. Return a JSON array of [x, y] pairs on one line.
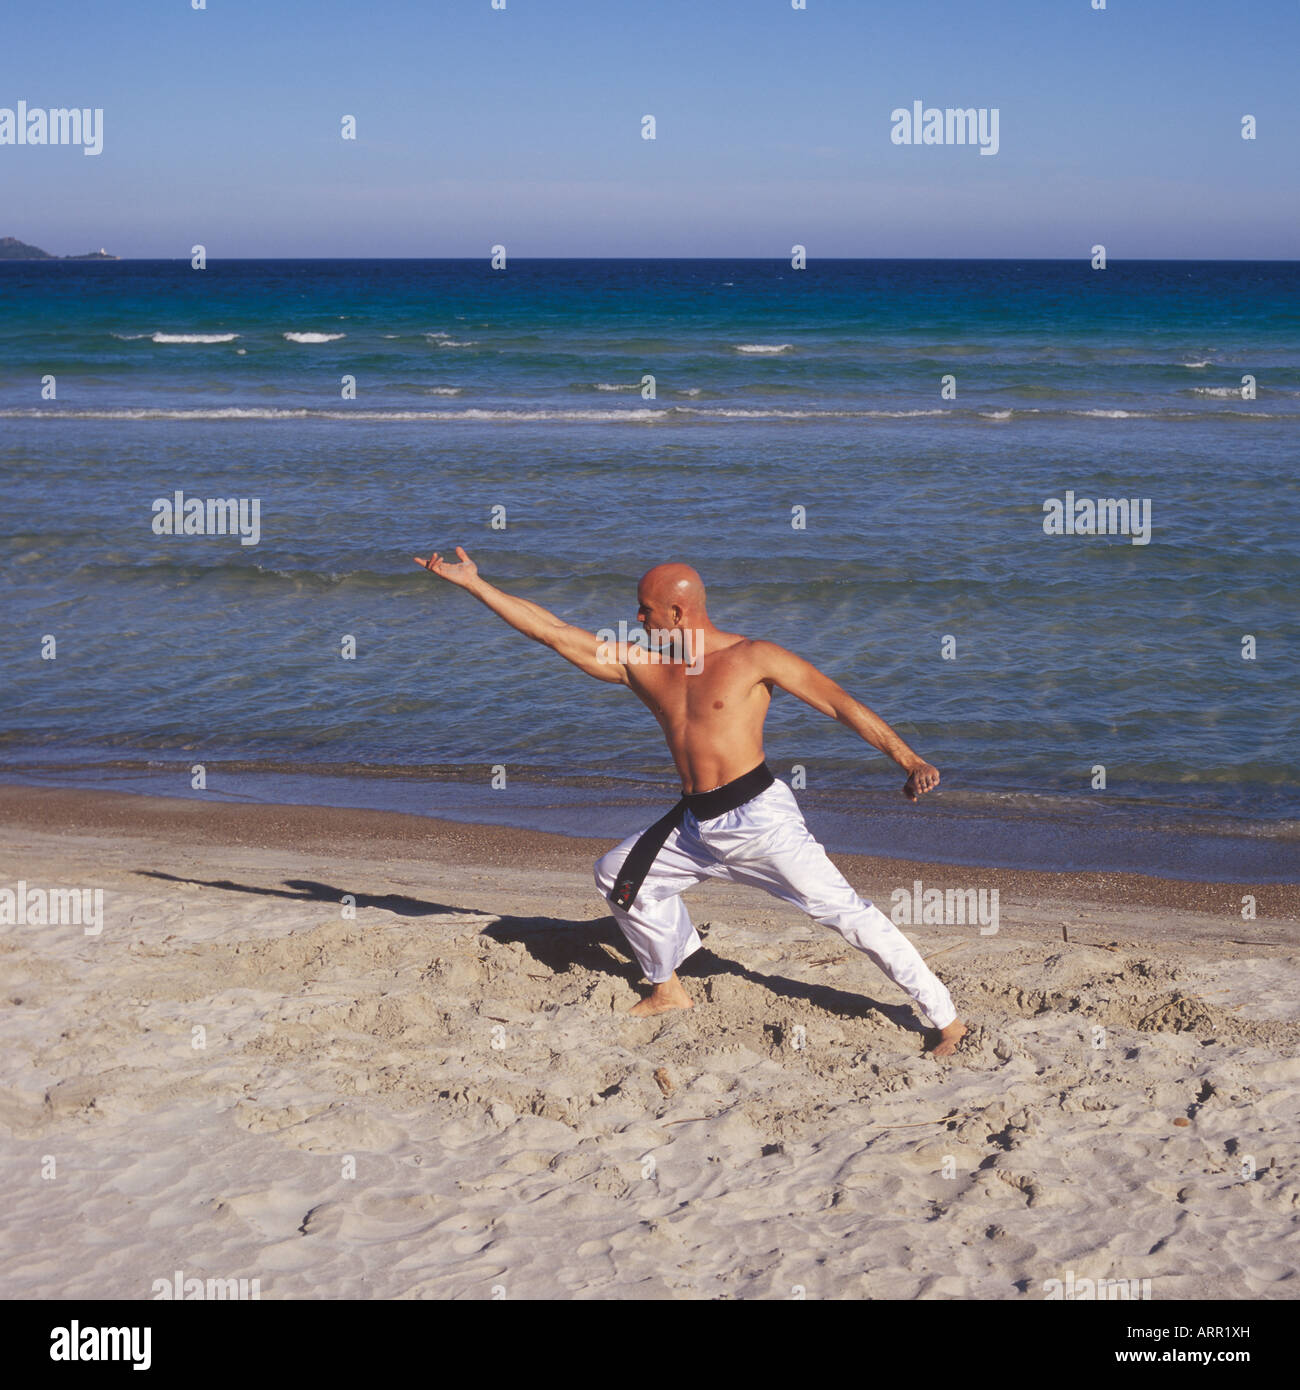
[[765, 843]]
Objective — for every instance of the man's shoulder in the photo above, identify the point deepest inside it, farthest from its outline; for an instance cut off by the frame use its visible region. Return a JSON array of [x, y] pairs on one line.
[[761, 649], [774, 663], [760, 659], [748, 648]]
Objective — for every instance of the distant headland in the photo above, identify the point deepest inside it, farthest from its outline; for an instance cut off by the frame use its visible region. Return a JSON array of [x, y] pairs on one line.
[[11, 249]]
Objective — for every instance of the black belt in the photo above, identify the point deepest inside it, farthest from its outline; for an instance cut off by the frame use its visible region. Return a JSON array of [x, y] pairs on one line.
[[703, 806]]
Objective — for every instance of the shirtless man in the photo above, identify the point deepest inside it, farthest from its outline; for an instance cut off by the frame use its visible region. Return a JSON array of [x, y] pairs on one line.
[[710, 691]]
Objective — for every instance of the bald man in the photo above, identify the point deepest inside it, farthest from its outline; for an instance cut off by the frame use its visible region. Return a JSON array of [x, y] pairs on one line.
[[710, 691]]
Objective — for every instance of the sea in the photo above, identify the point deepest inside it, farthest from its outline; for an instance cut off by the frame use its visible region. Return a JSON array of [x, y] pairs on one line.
[[862, 458]]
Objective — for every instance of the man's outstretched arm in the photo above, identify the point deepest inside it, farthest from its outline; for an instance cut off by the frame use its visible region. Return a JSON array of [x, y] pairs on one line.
[[575, 644], [815, 688]]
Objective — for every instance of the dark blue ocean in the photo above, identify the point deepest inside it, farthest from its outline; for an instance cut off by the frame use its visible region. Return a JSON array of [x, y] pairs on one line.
[[798, 450]]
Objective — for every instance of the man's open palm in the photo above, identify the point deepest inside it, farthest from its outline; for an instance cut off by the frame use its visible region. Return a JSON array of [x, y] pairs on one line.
[[458, 574]]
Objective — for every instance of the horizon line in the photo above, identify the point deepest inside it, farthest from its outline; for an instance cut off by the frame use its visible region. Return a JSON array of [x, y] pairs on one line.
[[92, 258]]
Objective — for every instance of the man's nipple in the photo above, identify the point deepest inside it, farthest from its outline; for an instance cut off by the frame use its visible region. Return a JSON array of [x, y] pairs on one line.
[[717, 704]]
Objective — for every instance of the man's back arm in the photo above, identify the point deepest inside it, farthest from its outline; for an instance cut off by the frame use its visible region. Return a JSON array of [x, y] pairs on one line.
[[814, 687]]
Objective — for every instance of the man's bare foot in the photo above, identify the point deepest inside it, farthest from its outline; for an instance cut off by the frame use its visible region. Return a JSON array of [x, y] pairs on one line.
[[949, 1037], [667, 995]]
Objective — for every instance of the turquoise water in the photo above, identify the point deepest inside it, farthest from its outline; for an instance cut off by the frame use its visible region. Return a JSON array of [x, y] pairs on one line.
[[774, 390]]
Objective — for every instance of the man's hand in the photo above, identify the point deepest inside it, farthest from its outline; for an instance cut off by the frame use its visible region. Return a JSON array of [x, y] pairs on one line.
[[923, 778], [461, 574], [574, 644]]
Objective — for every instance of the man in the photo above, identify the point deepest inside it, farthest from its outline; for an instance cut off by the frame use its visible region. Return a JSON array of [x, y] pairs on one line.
[[710, 691]]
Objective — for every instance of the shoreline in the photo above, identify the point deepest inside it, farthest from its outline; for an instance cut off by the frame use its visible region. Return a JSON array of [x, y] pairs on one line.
[[963, 830], [308, 829]]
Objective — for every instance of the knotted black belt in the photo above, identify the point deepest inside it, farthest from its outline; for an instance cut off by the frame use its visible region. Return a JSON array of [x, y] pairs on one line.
[[703, 806]]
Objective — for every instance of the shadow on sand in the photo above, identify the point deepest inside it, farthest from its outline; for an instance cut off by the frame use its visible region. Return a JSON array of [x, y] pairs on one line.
[[558, 943]]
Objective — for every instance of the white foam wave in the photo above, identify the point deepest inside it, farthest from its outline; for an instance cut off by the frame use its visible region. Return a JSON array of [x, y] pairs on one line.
[[1194, 365], [194, 337], [444, 390], [763, 347], [617, 386], [1115, 414], [1220, 391], [996, 414], [727, 413], [314, 337], [680, 413], [131, 337], [284, 413]]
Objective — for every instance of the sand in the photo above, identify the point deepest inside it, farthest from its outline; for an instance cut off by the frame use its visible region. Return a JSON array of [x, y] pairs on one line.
[[442, 1096]]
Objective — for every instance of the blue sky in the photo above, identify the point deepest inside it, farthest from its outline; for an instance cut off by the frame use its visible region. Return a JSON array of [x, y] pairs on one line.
[[523, 126]]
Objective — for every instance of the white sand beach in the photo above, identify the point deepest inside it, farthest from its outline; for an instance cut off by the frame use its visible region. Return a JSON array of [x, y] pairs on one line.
[[443, 1097]]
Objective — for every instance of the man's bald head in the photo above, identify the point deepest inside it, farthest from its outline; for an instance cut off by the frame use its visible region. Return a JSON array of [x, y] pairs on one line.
[[672, 594]]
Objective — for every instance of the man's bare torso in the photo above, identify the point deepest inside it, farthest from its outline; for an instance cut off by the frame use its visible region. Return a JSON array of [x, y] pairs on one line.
[[712, 719], [711, 705]]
